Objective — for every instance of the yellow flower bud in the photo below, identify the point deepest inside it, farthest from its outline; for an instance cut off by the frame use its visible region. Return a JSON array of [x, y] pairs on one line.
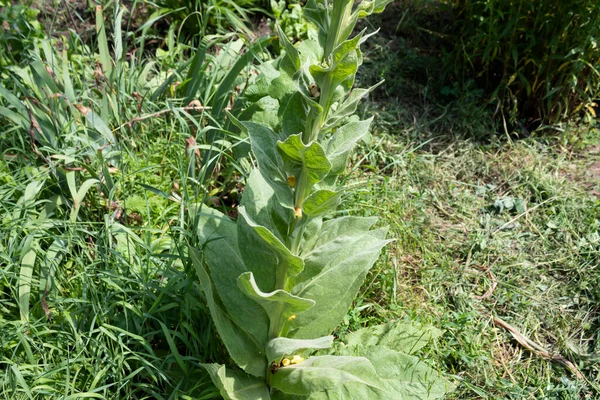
[[292, 317], [291, 180], [285, 362], [298, 213], [297, 360]]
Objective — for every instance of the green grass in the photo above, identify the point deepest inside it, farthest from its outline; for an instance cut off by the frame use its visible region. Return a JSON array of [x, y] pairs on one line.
[[96, 300], [516, 224]]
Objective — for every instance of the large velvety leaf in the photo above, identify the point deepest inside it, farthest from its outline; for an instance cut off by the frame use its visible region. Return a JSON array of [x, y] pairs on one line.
[[399, 336], [218, 235], [244, 350], [404, 376], [264, 142], [279, 304], [321, 203], [342, 142], [340, 268], [310, 159], [269, 204], [236, 385], [322, 234], [282, 346], [268, 197], [294, 115], [335, 237], [264, 254], [330, 377]]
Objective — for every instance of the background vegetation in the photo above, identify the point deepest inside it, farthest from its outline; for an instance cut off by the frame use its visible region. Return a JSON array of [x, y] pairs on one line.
[[113, 123]]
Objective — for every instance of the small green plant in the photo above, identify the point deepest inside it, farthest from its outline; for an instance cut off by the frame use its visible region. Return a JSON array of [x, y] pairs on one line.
[[280, 279]]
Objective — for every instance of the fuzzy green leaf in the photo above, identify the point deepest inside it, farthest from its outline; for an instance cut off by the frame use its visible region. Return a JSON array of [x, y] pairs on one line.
[[282, 346], [343, 141], [243, 349], [263, 141], [321, 202], [268, 203], [345, 61], [403, 376], [279, 304], [337, 271], [323, 240], [349, 105], [264, 254], [399, 336], [218, 236], [294, 115], [291, 61], [236, 385], [327, 377], [298, 156], [367, 8]]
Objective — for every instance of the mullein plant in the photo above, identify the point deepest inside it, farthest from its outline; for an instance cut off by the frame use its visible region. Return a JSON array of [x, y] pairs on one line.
[[280, 278]]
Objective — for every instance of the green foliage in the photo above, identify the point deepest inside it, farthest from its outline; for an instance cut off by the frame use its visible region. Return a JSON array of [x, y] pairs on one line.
[[96, 155], [20, 32], [536, 59], [203, 17], [280, 279], [290, 17], [483, 231]]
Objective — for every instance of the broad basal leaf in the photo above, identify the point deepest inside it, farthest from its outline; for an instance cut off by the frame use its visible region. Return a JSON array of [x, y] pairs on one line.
[[400, 336], [218, 235], [242, 348], [236, 385], [404, 376], [330, 377]]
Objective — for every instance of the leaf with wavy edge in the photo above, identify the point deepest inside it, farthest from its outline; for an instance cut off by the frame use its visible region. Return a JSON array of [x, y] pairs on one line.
[[328, 377], [282, 346], [279, 304]]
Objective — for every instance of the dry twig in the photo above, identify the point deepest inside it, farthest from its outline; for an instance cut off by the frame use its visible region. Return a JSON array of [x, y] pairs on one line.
[[536, 349]]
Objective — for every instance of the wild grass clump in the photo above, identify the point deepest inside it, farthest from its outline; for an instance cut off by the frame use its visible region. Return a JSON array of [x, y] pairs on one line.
[[537, 60]]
